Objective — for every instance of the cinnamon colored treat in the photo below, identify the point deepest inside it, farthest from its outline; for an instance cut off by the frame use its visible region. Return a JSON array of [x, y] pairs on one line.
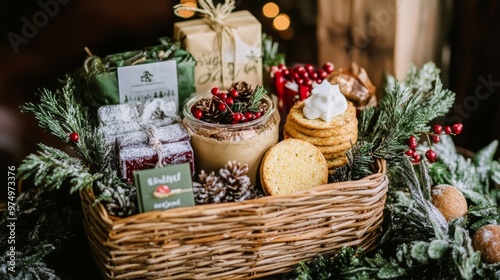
[[449, 201], [487, 241], [139, 158], [354, 83], [166, 134]]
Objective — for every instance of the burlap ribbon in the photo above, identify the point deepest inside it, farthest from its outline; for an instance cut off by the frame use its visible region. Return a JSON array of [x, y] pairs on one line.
[[154, 142], [215, 17]]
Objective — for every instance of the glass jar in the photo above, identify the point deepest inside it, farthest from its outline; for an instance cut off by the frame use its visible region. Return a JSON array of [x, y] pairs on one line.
[[216, 144]]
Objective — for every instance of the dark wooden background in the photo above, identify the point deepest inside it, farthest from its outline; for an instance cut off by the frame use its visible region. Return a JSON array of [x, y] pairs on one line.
[[475, 59]]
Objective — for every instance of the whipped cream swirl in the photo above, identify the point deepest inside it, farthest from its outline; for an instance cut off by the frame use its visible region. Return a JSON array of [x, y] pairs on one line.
[[325, 102]]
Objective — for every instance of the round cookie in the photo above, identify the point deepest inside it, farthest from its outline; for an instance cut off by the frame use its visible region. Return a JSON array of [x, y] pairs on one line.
[[292, 165], [336, 162], [323, 141], [350, 127], [335, 155], [342, 147], [297, 116], [286, 135]]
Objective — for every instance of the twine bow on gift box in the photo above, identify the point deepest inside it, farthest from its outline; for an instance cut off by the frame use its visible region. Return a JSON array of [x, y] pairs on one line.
[[154, 142], [215, 16]]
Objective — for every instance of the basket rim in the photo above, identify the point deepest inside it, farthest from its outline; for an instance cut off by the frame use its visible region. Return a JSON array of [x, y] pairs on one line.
[[87, 195]]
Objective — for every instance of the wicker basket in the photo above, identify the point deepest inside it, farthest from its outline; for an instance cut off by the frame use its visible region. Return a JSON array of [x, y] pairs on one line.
[[240, 240]]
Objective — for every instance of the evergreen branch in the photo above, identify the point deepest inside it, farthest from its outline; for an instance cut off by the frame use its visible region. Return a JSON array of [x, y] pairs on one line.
[[420, 187], [47, 222], [405, 109], [415, 219], [238, 106], [470, 176], [59, 113], [425, 248], [256, 98], [97, 153], [51, 168], [62, 113], [483, 160], [270, 54], [422, 80], [358, 166], [464, 257], [253, 104], [29, 265]]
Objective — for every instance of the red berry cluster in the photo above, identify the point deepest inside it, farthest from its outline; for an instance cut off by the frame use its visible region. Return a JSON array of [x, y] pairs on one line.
[[432, 137], [224, 102], [304, 75]]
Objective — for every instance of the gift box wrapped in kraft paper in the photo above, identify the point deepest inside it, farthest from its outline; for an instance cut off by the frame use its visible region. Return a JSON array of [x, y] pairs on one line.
[[226, 46]]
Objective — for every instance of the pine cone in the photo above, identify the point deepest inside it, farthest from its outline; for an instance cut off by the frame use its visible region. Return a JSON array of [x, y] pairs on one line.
[[209, 189], [238, 184], [245, 90], [116, 199], [211, 112], [263, 107]]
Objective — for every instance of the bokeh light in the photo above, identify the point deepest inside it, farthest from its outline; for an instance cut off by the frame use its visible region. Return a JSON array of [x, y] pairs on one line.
[[281, 22], [270, 10], [186, 13], [287, 34]]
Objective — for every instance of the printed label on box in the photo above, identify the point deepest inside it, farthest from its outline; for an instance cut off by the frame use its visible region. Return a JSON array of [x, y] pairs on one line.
[[147, 81], [164, 188]]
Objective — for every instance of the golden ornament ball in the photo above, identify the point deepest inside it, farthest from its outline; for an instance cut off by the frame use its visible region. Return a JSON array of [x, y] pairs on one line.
[[487, 241], [449, 201]]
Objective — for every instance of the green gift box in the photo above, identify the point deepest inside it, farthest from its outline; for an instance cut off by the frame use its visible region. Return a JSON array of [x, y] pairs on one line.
[[99, 76]]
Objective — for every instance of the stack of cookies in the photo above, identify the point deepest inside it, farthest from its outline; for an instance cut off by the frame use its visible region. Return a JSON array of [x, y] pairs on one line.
[[333, 138]]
